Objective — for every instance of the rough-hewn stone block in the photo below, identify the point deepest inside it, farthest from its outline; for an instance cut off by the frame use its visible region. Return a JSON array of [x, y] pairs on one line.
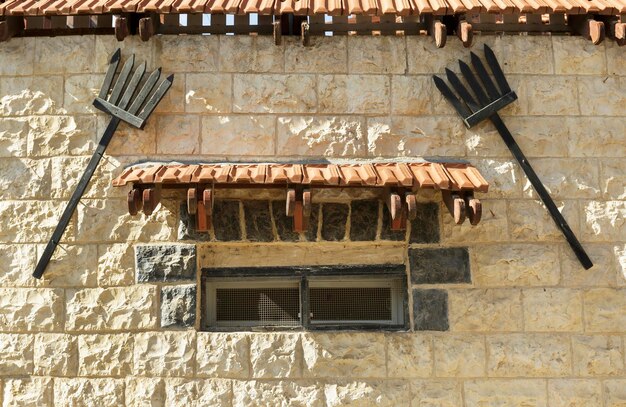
[[226, 220], [285, 393], [506, 393], [387, 393], [574, 392], [485, 310], [602, 96], [284, 223], [80, 91], [116, 264], [24, 178], [258, 221], [597, 355], [31, 221], [164, 353], [565, 178], [524, 55], [441, 393], [224, 355], [460, 356], [274, 93], [71, 266], [276, 355], [55, 355], [602, 274], [28, 391], [142, 391], [605, 310], [16, 354], [553, 95], [430, 310], [440, 266], [105, 355], [31, 309], [344, 355], [577, 56], [209, 392], [244, 135], [178, 306], [529, 220], [363, 220], [425, 226], [552, 309], [604, 221], [13, 136], [334, 221], [16, 265], [178, 134], [493, 226], [413, 95], [409, 355], [77, 49], [354, 94], [615, 392], [208, 93], [369, 54], [167, 263], [613, 182], [88, 392], [323, 55], [244, 53], [194, 53]]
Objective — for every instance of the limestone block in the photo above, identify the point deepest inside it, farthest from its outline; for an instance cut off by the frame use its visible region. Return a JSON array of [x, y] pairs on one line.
[[518, 84], [430, 310], [30, 96], [321, 136], [613, 180], [88, 392], [604, 221], [108, 220], [566, 178], [415, 136], [71, 266], [29, 391], [614, 392], [16, 265], [31, 309], [165, 353], [60, 135], [603, 273], [323, 55], [166, 262], [210, 93], [425, 58], [293, 93], [574, 393], [53, 53], [238, 135], [531, 55], [193, 53], [223, 355], [276, 355], [605, 310], [578, 56], [105, 355], [529, 220], [174, 99], [620, 258], [80, 91], [354, 94], [13, 136], [376, 54], [16, 354], [413, 95], [409, 355], [602, 96], [22, 178], [516, 265], [485, 310], [615, 58], [505, 393], [178, 306], [55, 355], [20, 54], [459, 356], [211, 392], [132, 45], [483, 140], [31, 221], [255, 54], [65, 175], [609, 137], [121, 308], [300, 254], [493, 226], [439, 265], [540, 136], [344, 355], [440, 393], [116, 264], [129, 140], [552, 309], [520, 355], [552, 95], [361, 393], [597, 355], [101, 184], [504, 177], [278, 393], [178, 134], [143, 391]]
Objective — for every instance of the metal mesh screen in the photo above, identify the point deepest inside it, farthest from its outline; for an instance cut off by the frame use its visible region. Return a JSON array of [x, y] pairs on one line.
[[259, 306], [351, 304]]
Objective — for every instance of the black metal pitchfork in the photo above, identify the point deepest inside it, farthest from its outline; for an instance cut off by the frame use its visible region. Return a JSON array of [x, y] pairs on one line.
[[476, 107], [116, 104]]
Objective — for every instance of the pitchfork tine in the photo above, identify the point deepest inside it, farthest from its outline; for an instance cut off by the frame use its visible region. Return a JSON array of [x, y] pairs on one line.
[[156, 97], [450, 96], [121, 80], [113, 62], [462, 91], [484, 77], [473, 83], [497, 70], [145, 91], [132, 86]]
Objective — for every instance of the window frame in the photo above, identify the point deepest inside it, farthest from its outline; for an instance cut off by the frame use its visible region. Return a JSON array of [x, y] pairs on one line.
[[304, 275]]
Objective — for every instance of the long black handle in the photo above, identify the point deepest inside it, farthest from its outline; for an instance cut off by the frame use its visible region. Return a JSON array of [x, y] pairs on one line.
[[76, 196], [542, 192]]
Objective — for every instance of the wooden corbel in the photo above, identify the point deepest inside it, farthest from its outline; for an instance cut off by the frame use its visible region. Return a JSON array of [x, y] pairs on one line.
[[10, 27], [298, 206], [473, 208], [615, 29], [588, 27], [122, 28], [204, 211], [143, 198], [402, 206], [461, 205], [304, 34], [465, 33], [438, 30], [277, 32], [148, 27]]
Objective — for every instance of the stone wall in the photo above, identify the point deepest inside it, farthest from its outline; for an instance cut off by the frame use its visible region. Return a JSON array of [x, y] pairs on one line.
[[502, 312]]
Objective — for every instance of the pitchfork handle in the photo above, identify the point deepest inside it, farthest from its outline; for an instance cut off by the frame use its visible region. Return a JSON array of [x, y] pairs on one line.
[[73, 202], [542, 192]]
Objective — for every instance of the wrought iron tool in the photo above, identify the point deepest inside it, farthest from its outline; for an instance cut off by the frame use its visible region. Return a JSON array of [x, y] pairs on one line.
[[483, 102], [114, 99]]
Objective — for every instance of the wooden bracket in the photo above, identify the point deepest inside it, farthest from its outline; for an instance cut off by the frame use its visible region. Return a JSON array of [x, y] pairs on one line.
[[438, 30], [465, 33], [298, 206], [148, 27], [304, 34], [473, 208], [10, 27], [142, 198], [588, 27], [402, 206], [615, 29], [204, 211], [122, 28], [278, 34], [461, 205]]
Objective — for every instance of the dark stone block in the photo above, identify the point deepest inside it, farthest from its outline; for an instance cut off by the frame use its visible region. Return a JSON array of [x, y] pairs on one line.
[[284, 224], [178, 306], [386, 233], [425, 227], [226, 220], [187, 227], [258, 221], [334, 218], [439, 266], [363, 220], [311, 231], [165, 263], [430, 310]]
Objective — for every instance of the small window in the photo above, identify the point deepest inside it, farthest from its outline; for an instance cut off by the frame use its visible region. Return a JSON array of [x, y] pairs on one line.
[[342, 297]]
